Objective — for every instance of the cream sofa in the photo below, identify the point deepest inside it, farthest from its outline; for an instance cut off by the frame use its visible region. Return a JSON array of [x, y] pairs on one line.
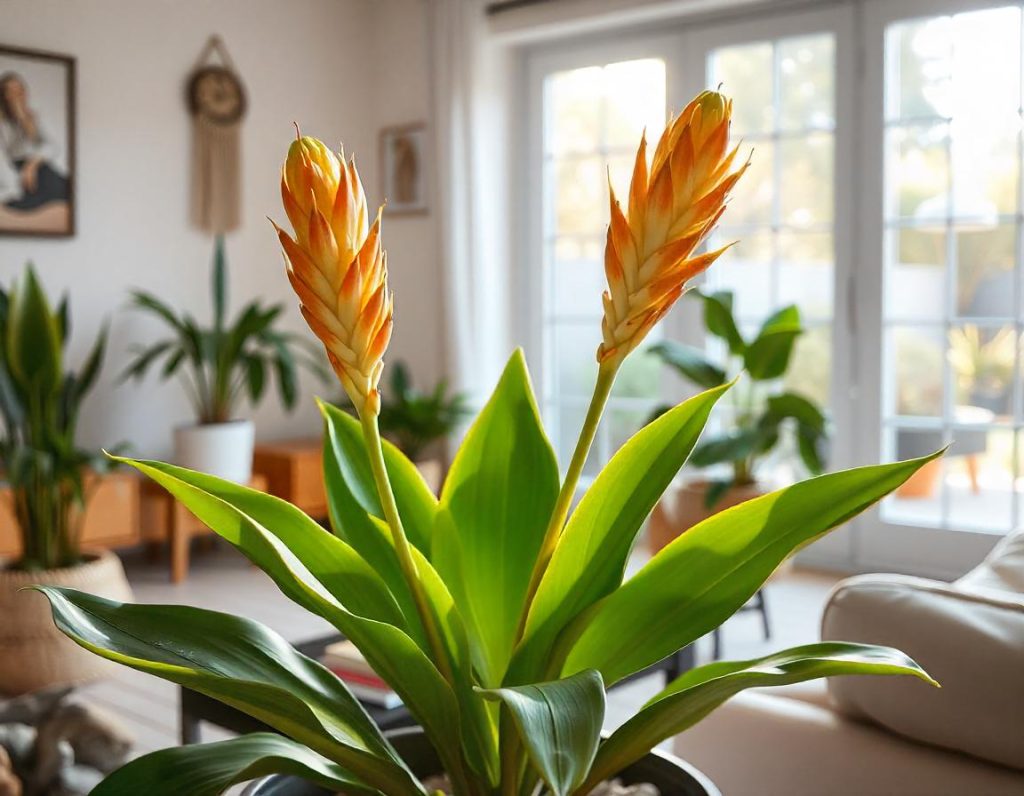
[[866, 736]]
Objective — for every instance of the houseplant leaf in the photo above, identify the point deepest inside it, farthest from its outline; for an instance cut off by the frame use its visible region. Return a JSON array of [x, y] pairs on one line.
[[33, 338], [559, 724], [242, 664], [417, 505], [727, 447], [719, 321], [591, 555], [690, 698], [224, 505], [495, 507], [793, 405], [390, 650], [767, 357], [706, 574], [210, 769], [690, 362]]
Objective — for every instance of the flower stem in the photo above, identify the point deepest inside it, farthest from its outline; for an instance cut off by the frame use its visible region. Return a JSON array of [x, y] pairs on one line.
[[602, 389], [375, 451]]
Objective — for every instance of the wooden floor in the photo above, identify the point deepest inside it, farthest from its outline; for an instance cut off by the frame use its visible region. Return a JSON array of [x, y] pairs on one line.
[[221, 580]]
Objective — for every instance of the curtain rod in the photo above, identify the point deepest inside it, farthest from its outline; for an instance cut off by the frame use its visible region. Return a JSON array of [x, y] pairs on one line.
[[501, 6]]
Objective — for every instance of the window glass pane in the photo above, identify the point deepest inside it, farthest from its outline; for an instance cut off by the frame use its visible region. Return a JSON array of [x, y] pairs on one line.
[[916, 368], [985, 270], [807, 82], [574, 111], [746, 270], [805, 272], [918, 172], [752, 197], [745, 73], [636, 101], [805, 180], [952, 264], [916, 277], [575, 347], [579, 195], [810, 372], [578, 278]]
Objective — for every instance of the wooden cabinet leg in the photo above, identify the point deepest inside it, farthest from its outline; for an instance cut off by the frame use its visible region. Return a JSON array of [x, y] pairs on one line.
[[179, 544]]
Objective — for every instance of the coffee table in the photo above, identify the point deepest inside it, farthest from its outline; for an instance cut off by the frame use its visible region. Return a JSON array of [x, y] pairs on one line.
[[197, 708]]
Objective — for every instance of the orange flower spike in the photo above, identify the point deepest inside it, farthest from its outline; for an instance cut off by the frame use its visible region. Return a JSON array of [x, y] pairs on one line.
[[649, 253], [337, 266]]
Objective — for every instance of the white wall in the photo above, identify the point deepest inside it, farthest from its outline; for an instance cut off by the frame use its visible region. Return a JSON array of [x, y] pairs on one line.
[[312, 61]]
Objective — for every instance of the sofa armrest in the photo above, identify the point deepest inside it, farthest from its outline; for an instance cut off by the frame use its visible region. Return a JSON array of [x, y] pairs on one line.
[[972, 643]]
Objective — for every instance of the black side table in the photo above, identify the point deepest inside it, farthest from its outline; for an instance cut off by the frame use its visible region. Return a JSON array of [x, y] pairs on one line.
[[197, 708]]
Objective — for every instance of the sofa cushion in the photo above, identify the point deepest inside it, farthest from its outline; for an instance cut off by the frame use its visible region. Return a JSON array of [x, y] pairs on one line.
[[760, 744], [971, 642]]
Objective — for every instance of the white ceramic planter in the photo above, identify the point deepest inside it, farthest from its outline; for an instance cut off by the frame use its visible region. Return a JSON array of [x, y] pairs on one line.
[[220, 449]]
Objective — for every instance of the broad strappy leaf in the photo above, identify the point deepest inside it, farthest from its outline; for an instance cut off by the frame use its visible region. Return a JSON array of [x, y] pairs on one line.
[[495, 506], [591, 556], [706, 574], [242, 664], [210, 769], [559, 724], [690, 698]]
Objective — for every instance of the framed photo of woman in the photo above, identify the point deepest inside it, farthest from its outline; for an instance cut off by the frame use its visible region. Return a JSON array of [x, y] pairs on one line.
[[403, 161], [37, 143]]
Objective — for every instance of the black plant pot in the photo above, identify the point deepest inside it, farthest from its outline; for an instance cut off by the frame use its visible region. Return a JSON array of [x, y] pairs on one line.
[[672, 776]]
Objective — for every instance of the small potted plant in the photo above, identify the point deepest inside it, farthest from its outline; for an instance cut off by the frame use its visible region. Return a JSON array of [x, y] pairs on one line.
[[414, 420], [757, 421], [50, 477], [219, 366], [498, 617]]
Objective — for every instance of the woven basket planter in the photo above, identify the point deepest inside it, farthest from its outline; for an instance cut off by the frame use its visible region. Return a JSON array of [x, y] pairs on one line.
[[33, 653]]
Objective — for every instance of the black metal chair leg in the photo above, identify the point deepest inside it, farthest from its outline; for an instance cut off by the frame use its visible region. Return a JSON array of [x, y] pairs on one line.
[[762, 606], [716, 638]]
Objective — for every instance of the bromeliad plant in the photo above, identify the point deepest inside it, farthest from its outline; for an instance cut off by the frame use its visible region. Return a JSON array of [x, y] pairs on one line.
[[759, 419], [39, 402], [221, 365], [498, 618]]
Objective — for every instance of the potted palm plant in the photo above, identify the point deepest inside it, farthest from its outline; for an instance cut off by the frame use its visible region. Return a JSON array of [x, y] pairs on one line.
[[219, 366], [757, 421], [498, 617], [50, 477], [415, 420]]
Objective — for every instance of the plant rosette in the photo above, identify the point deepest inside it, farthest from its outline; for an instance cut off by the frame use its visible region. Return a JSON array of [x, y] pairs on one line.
[[499, 616]]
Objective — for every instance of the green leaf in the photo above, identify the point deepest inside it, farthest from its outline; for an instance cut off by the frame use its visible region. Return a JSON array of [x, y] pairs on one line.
[[242, 664], [793, 405], [389, 649], [226, 507], [690, 362], [591, 555], [719, 321], [210, 769], [495, 507], [255, 377], [728, 447], [220, 284], [768, 356], [33, 344], [706, 574], [146, 357], [809, 445], [559, 723], [93, 362], [699, 691], [417, 505]]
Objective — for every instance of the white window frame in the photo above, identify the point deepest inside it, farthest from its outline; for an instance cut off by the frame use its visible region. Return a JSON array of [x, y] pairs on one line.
[[866, 543]]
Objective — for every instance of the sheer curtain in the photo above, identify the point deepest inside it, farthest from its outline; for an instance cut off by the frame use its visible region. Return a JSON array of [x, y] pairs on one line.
[[470, 77]]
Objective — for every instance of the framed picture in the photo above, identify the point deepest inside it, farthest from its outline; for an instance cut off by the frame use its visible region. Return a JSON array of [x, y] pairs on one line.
[[403, 167], [37, 143]]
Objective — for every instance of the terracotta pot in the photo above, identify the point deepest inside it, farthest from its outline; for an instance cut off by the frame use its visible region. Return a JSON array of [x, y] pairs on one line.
[[221, 449], [682, 507], [672, 776], [922, 484], [33, 653]]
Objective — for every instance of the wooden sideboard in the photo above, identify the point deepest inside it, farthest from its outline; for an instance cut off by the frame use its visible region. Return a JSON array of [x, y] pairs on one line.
[[111, 516]]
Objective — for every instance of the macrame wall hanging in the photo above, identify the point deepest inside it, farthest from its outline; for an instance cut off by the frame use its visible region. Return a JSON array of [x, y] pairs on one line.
[[216, 102]]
